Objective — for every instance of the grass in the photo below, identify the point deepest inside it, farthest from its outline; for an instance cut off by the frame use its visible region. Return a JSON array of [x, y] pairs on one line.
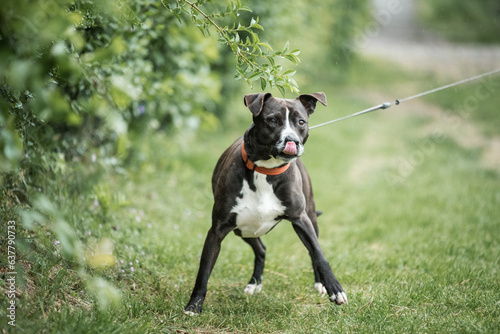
[[410, 226]]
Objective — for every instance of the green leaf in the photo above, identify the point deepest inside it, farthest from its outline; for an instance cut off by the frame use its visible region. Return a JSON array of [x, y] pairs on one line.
[[235, 48], [254, 24], [255, 38], [287, 47], [255, 76], [263, 83], [258, 26], [282, 90], [292, 58], [266, 45]]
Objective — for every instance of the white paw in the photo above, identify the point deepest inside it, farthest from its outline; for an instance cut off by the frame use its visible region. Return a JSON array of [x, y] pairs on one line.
[[252, 288], [340, 298], [190, 313], [320, 288]]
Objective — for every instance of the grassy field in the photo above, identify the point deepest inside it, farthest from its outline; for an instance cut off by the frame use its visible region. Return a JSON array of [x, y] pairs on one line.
[[411, 202]]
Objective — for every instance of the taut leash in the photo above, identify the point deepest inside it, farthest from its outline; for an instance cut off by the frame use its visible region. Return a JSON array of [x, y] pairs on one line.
[[398, 101]]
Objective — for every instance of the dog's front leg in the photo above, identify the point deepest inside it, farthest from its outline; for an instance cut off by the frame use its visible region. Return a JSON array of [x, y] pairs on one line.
[[305, 230], [209, 255]]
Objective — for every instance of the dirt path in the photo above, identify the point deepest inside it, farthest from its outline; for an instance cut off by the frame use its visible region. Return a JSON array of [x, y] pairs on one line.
[[395, 35]]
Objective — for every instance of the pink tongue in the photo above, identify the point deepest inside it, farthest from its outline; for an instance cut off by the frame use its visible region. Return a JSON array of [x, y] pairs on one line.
[[290, 148]]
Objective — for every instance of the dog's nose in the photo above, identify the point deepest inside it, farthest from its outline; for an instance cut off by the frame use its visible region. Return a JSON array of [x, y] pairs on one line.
[[292, 139]]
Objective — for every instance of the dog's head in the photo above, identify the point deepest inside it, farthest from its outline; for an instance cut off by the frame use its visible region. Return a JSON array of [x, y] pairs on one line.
[[280, 126]]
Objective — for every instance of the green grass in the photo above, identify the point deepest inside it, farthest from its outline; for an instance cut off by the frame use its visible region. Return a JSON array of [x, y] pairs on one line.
[[410, 227], [475, 102]]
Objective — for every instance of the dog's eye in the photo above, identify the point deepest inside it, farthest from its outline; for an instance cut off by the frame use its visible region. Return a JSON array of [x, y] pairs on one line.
[[272, 120], [302, 122]]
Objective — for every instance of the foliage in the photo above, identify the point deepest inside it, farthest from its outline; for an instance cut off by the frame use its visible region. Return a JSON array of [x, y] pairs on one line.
[[463, 21], [245, 44], [80, 80], [113, 66]]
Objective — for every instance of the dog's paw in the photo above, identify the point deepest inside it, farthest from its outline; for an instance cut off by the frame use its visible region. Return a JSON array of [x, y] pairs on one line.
[[190, 313], [194, 308], [252, 289], [339, 298], [320, 288]]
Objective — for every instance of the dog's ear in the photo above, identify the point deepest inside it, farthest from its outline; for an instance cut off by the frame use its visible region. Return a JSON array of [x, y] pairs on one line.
[[255, 102], [309, 101]]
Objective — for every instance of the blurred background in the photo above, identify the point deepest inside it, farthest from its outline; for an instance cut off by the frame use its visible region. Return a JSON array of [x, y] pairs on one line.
[[114, 113]]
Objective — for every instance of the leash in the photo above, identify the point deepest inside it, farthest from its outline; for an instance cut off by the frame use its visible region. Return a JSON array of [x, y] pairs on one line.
[[398, 101]]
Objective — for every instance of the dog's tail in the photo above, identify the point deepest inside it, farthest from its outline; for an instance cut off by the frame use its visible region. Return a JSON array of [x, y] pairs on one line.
[[319, 213]]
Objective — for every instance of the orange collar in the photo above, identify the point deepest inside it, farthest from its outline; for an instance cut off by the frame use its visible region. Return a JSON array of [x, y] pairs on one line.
[[263, 170]]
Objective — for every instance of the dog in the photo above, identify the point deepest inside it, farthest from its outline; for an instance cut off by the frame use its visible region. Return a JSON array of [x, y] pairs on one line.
[[260, 180]]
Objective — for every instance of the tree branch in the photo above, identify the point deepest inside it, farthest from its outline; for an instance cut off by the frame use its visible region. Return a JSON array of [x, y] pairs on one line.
[[253, 71]]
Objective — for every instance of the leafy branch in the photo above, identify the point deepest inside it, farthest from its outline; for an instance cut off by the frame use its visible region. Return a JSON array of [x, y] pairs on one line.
[[255, 60]]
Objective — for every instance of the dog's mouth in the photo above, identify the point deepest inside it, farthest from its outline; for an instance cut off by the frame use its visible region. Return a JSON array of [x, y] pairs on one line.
[[290, 151], [290, 148]]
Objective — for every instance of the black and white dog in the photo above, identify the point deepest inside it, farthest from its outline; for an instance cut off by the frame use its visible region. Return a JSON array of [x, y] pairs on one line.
[[260, 180]]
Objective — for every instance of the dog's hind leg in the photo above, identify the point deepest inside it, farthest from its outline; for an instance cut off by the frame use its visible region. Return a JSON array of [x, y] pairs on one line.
[[255, 284]]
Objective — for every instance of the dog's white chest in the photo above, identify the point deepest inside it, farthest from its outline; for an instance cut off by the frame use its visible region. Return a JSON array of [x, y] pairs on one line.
[[257, 210]]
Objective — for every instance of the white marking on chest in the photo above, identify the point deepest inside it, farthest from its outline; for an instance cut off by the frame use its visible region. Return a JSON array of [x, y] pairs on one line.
[[257, 210]]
